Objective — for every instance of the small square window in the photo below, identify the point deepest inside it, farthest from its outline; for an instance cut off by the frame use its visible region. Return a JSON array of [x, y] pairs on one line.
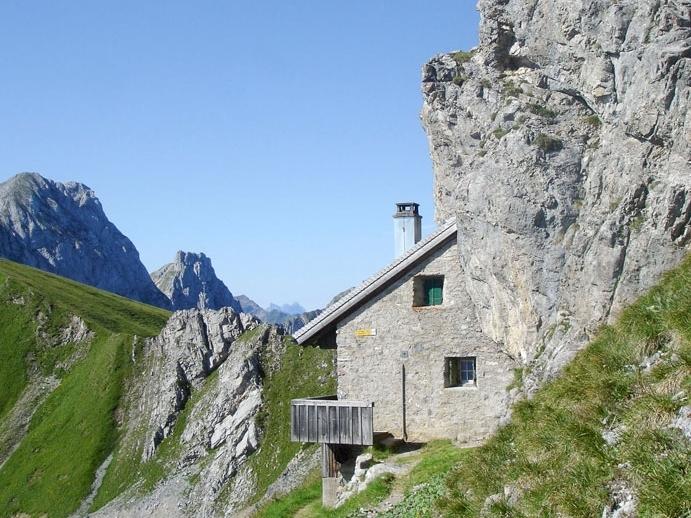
[[428, 291], [460, 372]]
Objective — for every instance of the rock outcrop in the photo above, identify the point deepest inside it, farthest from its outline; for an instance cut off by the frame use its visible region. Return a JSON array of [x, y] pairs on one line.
[[61, 228], [197, 409], [562, 145], [190, 282], [219, 431]]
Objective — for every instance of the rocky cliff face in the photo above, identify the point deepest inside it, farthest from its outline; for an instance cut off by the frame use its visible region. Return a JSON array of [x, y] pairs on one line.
[[61, 228], [562, 145], [193, 412], [219, 429], [190, 282]]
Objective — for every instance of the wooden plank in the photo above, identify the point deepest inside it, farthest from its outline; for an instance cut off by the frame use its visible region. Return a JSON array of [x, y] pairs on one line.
[[333, 425], [329, 464], [311, 423], [345, 425], [356, 425], [367, 429], [323, 426]]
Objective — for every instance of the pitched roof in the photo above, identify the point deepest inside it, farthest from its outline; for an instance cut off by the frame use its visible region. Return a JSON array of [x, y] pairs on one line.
[[361, 294]]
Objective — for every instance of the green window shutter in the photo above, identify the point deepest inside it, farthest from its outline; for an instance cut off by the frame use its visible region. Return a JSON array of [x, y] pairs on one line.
[[434, 291]]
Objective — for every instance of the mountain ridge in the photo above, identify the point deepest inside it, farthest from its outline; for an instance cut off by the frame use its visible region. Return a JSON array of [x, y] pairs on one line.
[[62, 228]]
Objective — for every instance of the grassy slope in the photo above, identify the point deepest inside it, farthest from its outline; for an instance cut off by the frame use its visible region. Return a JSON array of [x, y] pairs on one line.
[[553, 451], [73, 430]]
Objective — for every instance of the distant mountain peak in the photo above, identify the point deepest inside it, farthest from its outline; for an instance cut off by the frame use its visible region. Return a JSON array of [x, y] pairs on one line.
[[291, 309], [190, 281]]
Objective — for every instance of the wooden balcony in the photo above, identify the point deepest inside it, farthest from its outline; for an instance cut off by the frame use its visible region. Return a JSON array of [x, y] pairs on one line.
[[327, 420]]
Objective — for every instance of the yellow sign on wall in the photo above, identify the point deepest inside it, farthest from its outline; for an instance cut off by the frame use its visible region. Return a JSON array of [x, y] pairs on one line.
[[365, 332]]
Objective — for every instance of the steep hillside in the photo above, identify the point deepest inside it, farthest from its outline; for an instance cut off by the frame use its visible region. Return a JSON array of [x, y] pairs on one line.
[[612, 433], [562, 144], [113, 405], [65, 352], [190, 282], [61, 228]]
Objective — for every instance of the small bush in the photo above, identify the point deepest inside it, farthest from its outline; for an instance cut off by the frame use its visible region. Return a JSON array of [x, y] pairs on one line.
[[636, 223], [541, 111], [499, 133], [548, 144], [511, 90], [593, 120], [458, 80], [461, 57]]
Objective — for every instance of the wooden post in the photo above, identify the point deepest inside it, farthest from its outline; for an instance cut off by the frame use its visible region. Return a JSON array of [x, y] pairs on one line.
[[329, 476]]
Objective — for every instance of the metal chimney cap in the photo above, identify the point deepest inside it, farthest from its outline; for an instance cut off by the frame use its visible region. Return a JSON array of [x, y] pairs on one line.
[[407, 209]]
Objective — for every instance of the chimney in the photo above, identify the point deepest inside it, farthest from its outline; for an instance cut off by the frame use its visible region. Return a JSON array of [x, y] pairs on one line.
[[407, 227]]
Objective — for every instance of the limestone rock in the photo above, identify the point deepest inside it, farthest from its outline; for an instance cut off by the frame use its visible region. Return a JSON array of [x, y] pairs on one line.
[[562, 145], [192, 345], [199, 364], [61, 228], [190, 282]]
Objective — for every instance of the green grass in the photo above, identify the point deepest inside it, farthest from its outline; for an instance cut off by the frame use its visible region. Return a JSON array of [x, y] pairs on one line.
[[306, 500], [433, 461], [438, 457], [18, 338], [97, 307], [553, 451], [309, 494], [73, 431]]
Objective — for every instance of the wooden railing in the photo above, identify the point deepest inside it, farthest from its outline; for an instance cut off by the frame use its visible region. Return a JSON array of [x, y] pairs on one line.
[[327, 420]]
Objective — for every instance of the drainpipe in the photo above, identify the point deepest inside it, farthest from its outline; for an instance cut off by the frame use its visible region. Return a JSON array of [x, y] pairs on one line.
[[403, 417]]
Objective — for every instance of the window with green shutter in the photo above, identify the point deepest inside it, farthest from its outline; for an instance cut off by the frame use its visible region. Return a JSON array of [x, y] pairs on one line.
[[433, 291], [428, 290]]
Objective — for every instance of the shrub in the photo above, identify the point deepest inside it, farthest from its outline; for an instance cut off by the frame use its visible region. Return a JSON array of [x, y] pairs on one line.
[[541, 111], [499, 133], [458, 80], [548, 144], [461, 57], [511, 89], [593, 120]]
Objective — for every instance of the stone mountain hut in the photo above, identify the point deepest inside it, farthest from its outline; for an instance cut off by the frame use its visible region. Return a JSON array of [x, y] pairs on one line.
[[412, 361]]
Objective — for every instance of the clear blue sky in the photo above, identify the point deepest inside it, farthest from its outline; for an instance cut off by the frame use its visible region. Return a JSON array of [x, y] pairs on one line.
[[275, 136]]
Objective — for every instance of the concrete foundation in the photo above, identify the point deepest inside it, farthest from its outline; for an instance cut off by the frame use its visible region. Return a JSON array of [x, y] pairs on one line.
[[329, 491]]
